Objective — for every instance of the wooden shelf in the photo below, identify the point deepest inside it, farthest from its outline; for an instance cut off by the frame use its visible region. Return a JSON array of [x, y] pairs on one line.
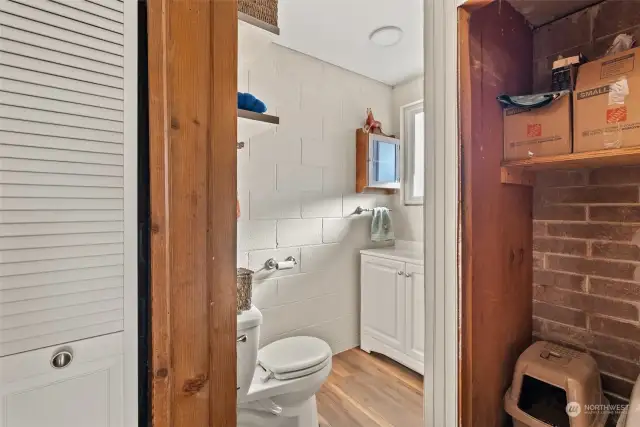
[[248, 19], [522, 170], [250, 124]]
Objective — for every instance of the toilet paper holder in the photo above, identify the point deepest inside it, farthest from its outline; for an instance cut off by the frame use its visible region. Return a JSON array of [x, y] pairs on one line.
[[272, 264]]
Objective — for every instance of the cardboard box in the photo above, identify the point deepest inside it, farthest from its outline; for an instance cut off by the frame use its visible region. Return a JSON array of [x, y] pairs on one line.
[[565, 72], [544, 131], [607, 103]]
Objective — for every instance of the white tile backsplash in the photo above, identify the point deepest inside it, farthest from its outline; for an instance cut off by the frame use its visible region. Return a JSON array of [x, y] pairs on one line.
[[335, 229], [319, 258], [274, 205], [254, 235], [294, 185], [316, 204], [295, 178], [299, 232]]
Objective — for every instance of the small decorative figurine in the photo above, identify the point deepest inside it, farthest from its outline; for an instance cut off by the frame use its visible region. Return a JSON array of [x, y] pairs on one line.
[[372, 125]]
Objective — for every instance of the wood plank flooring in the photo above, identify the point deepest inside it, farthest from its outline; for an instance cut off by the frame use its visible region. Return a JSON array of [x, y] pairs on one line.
[[368, 390]]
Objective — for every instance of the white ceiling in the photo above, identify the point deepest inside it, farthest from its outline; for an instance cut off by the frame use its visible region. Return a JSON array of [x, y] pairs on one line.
[[337, 31]]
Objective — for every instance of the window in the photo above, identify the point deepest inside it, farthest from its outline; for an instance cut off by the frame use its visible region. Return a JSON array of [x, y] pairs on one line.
[[413, 140]]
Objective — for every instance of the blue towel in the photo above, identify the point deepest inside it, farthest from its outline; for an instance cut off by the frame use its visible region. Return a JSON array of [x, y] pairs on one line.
[[248, 102]]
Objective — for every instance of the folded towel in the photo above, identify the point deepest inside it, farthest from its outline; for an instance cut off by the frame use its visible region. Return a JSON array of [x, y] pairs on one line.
[[248, 102], [381, 230]]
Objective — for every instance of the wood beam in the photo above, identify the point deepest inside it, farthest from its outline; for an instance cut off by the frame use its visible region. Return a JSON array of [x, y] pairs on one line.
[[192, 80]]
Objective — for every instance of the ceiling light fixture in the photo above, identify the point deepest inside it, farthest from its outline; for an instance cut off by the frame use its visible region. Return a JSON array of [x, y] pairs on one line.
[[386, 36]]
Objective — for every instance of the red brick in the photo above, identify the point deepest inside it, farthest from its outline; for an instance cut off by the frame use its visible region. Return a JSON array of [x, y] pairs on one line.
[[613, 16], [559, 280], [624, 194], [560, 246], [615, 213], [615, 289], [615, 176], [561, 35], [538, 260], [615, 251], [595, 267], [614, 365], [614, 232], [585, 302], [543, 211], [560, 178], [564, 315], [605, 344], [616, 385], [624, 330], [614, 399], [565, 335], [539, 228]]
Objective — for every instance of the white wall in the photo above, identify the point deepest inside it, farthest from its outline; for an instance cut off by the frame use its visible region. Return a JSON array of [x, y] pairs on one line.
[[408, 220], [296, 190]]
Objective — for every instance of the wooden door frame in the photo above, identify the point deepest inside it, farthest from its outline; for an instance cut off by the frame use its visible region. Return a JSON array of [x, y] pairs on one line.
[[495, 219], [192, 150]]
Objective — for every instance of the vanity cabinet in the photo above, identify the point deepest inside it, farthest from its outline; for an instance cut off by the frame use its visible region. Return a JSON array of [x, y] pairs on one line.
[[392, 309]]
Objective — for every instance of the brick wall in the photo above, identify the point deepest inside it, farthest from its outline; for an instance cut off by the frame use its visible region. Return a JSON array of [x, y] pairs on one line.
[[589, 31], [587, 223], [587, 267]]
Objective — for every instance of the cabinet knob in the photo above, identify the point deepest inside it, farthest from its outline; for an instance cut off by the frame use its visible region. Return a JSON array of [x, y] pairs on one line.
[[407, 274], [400, 273], [61, 359]]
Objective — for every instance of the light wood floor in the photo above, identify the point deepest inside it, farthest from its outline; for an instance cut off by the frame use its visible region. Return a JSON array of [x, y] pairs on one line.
[[368, 390]]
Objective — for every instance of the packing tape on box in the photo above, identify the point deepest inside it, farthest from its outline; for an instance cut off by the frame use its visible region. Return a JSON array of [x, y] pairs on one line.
[[618, 91]]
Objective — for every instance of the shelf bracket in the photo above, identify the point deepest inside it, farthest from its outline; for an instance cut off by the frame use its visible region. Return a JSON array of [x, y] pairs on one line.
[[517, 176]]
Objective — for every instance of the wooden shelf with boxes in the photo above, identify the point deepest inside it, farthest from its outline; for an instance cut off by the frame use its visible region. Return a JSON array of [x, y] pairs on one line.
[[522, 171]]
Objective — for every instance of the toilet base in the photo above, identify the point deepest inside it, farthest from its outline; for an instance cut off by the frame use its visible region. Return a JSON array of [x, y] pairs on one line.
[[304, 415]]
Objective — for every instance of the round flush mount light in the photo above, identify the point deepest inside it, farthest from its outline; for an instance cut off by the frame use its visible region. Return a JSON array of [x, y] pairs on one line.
[[386, 36]]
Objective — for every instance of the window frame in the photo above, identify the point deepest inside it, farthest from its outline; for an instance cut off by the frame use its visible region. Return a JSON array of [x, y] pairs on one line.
[[407, 136]]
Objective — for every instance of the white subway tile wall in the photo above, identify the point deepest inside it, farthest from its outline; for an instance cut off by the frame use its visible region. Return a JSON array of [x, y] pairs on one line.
[[296, 188]]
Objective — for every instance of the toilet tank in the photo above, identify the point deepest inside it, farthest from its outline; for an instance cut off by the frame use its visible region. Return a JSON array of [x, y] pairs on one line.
[[248, 337]]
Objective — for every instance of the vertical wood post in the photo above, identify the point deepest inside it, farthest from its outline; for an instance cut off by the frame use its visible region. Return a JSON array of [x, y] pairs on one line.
[[192, 108]]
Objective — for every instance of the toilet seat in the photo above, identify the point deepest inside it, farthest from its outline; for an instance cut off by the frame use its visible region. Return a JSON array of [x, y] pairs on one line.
[[294, 357]]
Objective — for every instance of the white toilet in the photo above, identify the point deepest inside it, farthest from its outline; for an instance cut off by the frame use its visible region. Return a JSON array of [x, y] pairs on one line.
[[632, 417], [277, 384]]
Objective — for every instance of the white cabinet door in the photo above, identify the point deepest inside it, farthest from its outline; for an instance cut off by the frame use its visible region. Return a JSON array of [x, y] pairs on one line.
[[383, 300], [415, 302], [87, 392]]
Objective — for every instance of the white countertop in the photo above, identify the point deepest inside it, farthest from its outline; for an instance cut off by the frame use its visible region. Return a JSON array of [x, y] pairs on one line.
[[402, 251]]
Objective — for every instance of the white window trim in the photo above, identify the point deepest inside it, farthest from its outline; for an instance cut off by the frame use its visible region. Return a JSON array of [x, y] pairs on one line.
[[406, 135]]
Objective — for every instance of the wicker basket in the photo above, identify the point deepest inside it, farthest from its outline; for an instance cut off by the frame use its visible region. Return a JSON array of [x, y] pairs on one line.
[[264, 10], [243, 281]]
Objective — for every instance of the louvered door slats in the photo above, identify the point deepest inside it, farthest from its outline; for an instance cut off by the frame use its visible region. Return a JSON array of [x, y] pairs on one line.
[[70, 108], [61, 171]]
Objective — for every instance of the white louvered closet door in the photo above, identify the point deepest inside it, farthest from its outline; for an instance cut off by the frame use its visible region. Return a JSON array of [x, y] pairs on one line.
[[67, 172]]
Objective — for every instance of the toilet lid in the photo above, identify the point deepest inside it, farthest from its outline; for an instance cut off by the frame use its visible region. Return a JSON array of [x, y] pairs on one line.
[[294, 357]]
